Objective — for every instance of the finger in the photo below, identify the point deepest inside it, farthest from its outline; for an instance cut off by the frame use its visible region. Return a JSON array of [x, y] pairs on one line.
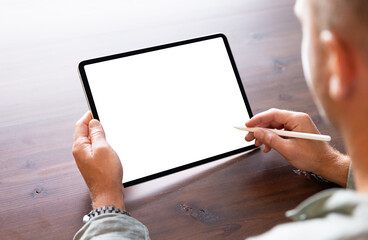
[[272, 140], [97, 134], [271, 125], [266, 149], [272, 116], [81, 127], [249, 137], [82, 143], [258, 143]]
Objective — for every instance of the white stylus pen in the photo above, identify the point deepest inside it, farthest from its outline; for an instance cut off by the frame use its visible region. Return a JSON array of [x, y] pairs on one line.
[[309, 136]]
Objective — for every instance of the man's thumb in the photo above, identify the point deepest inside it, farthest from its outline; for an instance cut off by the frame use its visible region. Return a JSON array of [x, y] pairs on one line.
[[271, 139], [96, 132]]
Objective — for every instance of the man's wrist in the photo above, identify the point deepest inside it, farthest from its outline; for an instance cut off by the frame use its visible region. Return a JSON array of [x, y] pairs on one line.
[[335, 167], [113, 198]]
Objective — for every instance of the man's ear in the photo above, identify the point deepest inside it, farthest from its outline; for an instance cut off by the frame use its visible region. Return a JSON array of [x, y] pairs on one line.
[[340, 64]]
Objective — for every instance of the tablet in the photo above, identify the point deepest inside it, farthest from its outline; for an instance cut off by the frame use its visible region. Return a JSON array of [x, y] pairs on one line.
[[170, 107]]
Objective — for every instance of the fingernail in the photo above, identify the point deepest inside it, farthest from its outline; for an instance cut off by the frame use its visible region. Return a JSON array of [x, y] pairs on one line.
[[94, 123]]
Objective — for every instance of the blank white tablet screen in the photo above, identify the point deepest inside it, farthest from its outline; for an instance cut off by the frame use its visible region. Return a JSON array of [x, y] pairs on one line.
[[170, 107]]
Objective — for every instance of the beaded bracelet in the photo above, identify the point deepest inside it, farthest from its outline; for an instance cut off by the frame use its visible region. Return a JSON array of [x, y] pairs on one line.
[[101, 211], [311, 175]]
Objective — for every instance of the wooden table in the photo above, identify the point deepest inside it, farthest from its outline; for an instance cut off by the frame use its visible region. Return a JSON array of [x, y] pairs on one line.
[[42, 194]]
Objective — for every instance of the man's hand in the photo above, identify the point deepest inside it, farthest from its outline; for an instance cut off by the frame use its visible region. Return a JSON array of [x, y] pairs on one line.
[[308, 155], [98, 163]]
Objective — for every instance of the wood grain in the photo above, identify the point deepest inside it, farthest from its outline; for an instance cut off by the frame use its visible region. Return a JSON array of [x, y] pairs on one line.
[[42, 194]]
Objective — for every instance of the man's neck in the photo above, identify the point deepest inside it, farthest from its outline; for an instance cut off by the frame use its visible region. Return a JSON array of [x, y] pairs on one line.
[[356, 139]]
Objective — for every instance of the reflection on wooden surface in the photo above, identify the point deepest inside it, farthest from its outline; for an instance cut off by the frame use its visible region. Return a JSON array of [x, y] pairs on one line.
[[42, 194]]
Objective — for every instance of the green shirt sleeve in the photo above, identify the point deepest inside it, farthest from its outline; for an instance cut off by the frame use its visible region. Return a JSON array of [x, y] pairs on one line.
[[112, 226], [330, 214]]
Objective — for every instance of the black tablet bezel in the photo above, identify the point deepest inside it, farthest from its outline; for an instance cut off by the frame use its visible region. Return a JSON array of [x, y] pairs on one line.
[[93, 109]]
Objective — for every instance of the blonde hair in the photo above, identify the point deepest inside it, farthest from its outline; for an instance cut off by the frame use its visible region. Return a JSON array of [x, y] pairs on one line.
[[346, 17]]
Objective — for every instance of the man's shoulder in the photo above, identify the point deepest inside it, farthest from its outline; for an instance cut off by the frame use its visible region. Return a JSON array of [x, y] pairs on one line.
[[331, 214]]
